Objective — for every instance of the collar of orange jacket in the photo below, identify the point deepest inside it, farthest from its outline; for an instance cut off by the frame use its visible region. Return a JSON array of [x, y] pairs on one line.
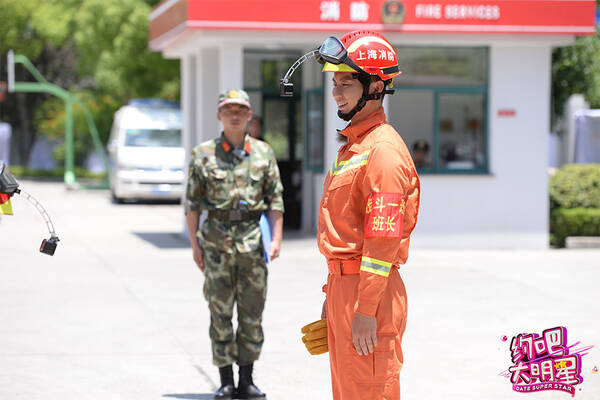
[[364, 126]]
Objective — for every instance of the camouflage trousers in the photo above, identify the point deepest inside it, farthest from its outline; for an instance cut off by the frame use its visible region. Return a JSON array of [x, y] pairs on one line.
[[239, 278]]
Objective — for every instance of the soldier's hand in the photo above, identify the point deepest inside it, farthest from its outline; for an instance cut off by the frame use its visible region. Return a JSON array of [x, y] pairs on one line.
[[197, 252], [275, 247], [324, 310], [364, 333]]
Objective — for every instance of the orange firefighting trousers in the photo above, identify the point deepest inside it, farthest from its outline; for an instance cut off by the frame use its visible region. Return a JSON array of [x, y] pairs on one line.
[[375, 376]]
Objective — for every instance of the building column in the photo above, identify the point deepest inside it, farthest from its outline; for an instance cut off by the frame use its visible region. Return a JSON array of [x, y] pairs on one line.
[[188, 105], [231, 66], [386, 104], [200, 74], [332, 123], [209, 73], [189, 96], [222, 69]]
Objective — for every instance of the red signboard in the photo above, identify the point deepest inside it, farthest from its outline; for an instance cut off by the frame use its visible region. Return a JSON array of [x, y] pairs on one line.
[[570, 17]]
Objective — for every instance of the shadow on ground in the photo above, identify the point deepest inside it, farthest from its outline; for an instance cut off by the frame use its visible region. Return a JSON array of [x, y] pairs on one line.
[[194, 396], [164, 240], [175, 240], [146, 202]]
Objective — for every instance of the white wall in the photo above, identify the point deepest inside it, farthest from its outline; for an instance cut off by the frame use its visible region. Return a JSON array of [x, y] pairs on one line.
[[508, 208]]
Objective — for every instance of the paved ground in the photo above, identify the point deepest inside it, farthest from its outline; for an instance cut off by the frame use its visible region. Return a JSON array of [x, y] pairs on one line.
[[118, 312]]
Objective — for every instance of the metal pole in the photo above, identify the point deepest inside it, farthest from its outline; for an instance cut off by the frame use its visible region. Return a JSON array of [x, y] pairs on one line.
[[95, 137], [69, 156], [33, 87], [44, 87], [30, 67], [11, 71]]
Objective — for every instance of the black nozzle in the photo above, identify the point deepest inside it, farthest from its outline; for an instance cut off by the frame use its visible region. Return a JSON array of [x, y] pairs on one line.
[[286, 89], [49, 246]]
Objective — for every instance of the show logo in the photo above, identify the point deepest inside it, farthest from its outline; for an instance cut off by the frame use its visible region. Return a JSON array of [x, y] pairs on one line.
[[545, 362], [393, 12]]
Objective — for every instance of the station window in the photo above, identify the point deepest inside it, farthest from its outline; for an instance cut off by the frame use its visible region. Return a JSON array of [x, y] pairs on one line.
[[440, 108], [282, 117]]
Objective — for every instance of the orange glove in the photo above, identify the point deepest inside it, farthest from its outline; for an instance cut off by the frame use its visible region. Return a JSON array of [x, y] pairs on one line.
[[315, 337]]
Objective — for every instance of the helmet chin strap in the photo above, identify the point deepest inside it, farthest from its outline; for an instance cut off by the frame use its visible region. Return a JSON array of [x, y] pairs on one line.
[[365, 80]]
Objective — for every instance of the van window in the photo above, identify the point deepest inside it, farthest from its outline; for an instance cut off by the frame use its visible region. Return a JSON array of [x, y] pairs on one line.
[[153, 137]]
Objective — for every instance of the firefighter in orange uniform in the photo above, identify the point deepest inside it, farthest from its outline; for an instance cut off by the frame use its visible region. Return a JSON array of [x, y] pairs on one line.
[[368, 210]]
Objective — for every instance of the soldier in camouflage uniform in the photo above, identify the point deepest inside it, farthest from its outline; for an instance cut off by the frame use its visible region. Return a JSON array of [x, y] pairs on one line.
[[235, 178]]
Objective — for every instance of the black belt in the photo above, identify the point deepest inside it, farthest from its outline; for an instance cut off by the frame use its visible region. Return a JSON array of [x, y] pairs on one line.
[[235, 215]]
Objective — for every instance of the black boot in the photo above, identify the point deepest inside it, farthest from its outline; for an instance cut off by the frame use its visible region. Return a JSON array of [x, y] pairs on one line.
[[246, 387], [227, 388]]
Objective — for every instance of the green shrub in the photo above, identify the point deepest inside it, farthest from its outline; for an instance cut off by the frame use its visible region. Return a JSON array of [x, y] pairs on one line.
[[574, 202], [56, 173], [575, 185], [566, 222]]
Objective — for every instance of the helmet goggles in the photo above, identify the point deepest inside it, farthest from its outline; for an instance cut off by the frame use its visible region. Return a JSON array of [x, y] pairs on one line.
[[334, 52]]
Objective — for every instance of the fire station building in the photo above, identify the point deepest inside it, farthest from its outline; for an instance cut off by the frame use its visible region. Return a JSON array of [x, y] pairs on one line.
[[474, 93]]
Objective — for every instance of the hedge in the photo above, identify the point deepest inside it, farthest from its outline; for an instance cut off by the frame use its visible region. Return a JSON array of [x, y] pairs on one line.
[[579, 221], [575, 185], [55, 174]]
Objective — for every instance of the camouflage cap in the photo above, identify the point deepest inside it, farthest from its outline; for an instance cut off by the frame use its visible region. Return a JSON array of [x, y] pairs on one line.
[[234, 97]]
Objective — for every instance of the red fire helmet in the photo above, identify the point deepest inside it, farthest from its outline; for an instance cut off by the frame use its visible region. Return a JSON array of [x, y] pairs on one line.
[[371, 52]]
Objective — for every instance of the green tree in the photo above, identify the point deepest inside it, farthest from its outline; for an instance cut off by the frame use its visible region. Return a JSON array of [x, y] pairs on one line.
[[131, 69], [50, 118], [112, 39], [26, 26], [40, 31], [152, 3], [576, 69], [97, 49]]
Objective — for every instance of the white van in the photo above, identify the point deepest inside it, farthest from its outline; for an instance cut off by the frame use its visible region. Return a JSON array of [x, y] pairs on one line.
[[146, 151]]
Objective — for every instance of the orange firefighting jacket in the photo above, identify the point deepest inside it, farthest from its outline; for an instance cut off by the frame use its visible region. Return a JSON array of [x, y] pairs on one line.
[[369, 205]]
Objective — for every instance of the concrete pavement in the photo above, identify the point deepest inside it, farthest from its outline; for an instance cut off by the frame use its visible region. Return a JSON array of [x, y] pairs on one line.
[[118, 312]]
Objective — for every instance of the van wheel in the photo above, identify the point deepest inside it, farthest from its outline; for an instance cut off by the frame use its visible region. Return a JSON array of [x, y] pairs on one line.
[[115, 199]]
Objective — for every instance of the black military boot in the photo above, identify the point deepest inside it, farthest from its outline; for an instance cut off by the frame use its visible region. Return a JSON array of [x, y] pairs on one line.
[[227, 389], [246, 387]]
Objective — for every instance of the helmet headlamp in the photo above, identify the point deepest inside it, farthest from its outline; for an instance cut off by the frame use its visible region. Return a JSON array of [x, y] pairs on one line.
[[332, 51]]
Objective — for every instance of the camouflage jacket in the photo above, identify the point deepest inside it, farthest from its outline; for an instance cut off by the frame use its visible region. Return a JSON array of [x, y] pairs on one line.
[[224, 178]]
